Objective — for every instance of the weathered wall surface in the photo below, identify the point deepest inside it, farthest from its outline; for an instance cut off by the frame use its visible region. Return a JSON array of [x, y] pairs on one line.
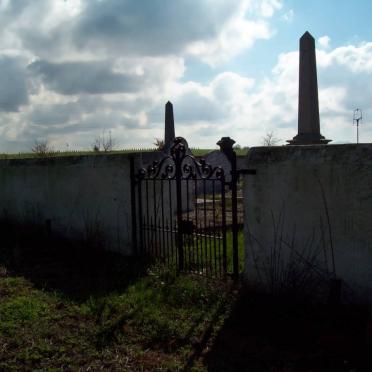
[[308, 214], [85, 197]]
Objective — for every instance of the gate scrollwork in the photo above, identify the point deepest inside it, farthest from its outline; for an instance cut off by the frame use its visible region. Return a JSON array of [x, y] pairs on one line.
[[191, 168]]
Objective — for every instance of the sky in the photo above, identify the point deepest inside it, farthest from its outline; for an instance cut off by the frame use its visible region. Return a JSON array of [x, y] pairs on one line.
[[74, 70]]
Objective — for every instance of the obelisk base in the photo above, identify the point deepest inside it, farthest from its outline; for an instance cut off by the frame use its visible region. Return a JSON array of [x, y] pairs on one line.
[[308, 139]]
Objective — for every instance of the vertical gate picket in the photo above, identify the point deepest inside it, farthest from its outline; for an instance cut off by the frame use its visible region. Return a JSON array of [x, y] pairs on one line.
[[178, 164], [133, 205]]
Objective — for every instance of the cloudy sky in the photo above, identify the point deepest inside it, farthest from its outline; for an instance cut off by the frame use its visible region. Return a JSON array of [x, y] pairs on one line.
[[73, 69]]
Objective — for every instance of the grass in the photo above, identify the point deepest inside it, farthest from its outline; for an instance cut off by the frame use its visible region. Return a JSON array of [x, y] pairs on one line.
[[55, 154], [204, 256], [241, 253], [64, 306], [160, 321], [94, 310], [28, 155]]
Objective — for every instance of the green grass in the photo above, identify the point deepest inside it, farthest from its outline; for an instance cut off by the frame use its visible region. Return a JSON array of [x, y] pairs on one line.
[[203, 252], [156, 322], [60, 309], [66, 307], [53, 154], [241, 254]]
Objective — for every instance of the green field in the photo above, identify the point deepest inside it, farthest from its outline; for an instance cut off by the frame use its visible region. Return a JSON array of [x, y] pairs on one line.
[[51, 154], [27, 155]]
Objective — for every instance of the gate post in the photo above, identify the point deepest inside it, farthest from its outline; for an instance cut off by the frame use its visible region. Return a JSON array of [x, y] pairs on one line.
[[178, 157], [133, 205], [226, 146]]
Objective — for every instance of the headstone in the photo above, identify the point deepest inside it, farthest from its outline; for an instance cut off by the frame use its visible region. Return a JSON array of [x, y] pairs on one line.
[[169, 134], [308, 106]]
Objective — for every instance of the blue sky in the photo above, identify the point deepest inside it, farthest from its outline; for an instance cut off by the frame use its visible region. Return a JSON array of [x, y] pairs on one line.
[[345, 22], [71, 70]]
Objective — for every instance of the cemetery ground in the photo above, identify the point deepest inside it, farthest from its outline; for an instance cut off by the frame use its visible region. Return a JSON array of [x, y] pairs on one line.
[[65, 306]]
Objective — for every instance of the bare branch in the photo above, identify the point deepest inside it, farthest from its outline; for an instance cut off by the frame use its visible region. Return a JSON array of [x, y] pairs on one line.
[[270, 139], [42, 148], [103, 143]]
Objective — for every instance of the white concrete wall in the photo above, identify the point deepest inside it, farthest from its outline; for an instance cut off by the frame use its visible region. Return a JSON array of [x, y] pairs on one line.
[[304, 202], [85, 197]]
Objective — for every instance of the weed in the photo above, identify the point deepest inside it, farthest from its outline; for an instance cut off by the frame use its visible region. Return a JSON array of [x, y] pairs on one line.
[[18, 311]]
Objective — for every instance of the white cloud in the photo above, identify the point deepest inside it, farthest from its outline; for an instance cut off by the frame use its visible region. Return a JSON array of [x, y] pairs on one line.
[[252, 108], [213, 30], [239, 32], [324, 41], [112, 65], [332, 99], [288, 16], [237, 35], [268, 7], [94, 65], [356, 58]]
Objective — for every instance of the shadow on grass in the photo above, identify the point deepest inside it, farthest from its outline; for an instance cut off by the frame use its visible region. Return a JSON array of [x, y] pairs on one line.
[[264, 333], [71, 268]]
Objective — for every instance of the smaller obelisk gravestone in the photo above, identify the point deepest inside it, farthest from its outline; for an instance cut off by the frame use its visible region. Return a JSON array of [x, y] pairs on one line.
[[169, 134], [308, 106]]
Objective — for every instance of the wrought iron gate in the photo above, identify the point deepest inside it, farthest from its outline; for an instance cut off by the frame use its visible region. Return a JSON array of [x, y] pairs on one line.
[[184, 210]]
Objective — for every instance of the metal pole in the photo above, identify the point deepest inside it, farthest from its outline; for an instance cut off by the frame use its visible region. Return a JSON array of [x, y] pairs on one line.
[[178, 161], [234, 196], [133, 205], [226, 146], [357, 117]]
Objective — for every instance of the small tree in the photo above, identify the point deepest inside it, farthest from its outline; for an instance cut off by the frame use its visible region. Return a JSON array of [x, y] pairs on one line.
[[270, 139], [103, 143], [96, 146], [42, 148]]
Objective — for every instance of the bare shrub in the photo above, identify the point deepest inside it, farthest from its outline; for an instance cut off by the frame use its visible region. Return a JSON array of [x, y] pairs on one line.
[[270, 139], [42, 148], [104, 143]]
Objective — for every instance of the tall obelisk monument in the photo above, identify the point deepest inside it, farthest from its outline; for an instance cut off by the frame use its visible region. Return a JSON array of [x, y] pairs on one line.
[[308, 106], [169, 133]]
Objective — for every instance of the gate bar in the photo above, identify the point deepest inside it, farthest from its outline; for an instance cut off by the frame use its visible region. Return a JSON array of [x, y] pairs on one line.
[[178, 160], [226, 146], [133, 204]]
